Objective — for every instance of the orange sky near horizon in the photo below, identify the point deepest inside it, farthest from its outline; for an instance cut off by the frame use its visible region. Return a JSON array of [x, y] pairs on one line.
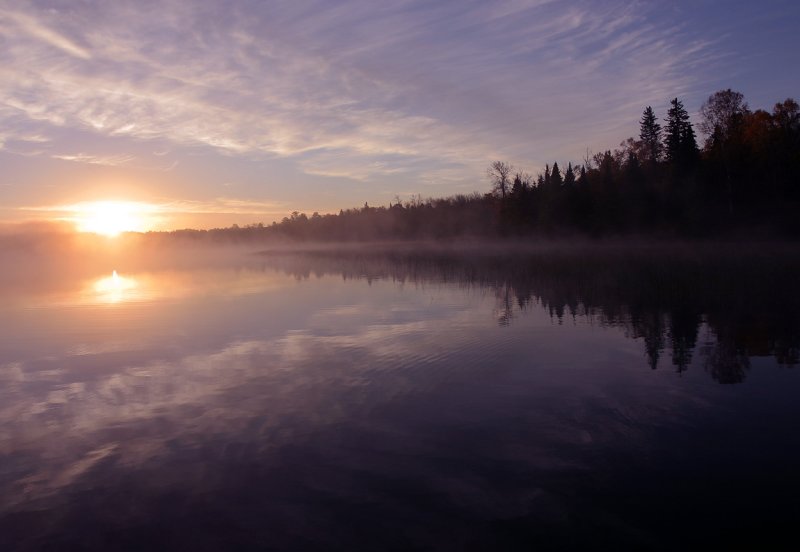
[[111, 217]]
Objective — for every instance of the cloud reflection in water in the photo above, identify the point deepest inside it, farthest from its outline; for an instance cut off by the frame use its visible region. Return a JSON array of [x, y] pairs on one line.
[[266, 397]]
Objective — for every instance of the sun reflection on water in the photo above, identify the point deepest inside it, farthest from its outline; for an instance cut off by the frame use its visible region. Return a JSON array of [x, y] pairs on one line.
[[115, 288], [122, 288]]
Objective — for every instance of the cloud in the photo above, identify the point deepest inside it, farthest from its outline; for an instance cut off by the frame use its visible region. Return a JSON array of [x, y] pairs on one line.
[[33, 138], [36, 29], [221, 205], [108, 160], [116, 160], [354, 90]]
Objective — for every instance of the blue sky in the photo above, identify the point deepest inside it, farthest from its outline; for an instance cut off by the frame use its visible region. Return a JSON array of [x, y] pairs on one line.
[[245, 111]]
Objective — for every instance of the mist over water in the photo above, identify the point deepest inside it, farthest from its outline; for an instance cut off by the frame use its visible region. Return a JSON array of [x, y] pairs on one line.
[[402, 397]]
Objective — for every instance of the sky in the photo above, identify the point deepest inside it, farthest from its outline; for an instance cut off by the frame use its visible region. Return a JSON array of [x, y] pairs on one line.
[[213, 113]]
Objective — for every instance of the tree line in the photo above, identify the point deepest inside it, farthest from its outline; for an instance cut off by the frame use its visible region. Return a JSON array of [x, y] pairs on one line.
[[744, 178]]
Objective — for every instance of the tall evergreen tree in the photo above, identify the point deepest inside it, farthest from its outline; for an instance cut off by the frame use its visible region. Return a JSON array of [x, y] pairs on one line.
[[555, 177], [569, 176], [689, 148], [516, 188], [680, 141], [650, 135]]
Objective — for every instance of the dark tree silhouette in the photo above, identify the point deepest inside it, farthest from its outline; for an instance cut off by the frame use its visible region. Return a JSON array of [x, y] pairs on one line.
[[650, 136], [723, 119], [680, 141], [555, 177], [499, 173], [723, 115], [569, 176], [786, 116]]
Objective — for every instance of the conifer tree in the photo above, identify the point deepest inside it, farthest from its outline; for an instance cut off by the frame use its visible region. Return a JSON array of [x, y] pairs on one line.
[[569, 176], [689, 148], [680, 141], [555, 177], [650, 135]]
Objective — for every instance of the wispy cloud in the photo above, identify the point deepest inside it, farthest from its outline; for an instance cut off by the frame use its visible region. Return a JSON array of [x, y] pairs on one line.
[[108, 160], [220, 205], [357, 90], [35, 28], [116, 160]]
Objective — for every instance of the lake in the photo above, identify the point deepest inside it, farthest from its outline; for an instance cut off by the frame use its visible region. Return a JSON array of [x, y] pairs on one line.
[[404, 398]]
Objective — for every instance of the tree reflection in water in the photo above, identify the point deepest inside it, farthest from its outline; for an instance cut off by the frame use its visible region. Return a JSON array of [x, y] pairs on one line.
[[663, 295]]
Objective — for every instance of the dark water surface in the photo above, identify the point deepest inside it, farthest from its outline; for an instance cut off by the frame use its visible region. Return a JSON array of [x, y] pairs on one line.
[[405, 401]]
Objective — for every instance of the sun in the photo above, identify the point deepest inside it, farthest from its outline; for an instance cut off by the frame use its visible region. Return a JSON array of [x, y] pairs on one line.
[[111, 218]]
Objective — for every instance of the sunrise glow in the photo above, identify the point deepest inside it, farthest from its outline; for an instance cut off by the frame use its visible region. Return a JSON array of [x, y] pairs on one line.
[[111, 218]]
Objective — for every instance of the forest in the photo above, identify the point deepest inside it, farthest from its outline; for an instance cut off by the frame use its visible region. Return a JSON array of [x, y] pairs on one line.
[[742, 180]]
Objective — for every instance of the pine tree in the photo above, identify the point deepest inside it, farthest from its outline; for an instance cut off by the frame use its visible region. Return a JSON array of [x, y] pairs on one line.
[[680, 141], [555, 177], [688, 141], [569, 176], [516, 188], [650, 135], [672, 139]]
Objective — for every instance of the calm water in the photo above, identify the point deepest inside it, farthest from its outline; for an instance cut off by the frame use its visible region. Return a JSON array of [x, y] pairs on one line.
[[340, 401]]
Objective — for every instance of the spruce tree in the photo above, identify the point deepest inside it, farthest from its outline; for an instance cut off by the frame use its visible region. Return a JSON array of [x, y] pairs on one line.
[[650, 135], [555, 176], [680, 141], [569, 176], [688, 141], [672, 138]]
